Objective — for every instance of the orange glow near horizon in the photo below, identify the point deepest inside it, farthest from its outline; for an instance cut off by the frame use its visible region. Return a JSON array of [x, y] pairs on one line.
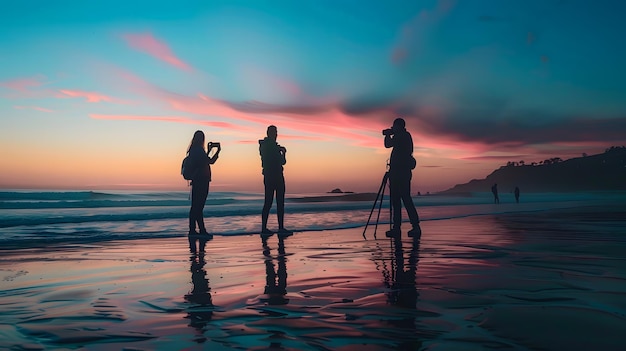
[[311, 167]]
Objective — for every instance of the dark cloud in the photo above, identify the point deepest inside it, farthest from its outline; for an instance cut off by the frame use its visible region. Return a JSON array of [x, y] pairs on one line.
[[476, 119], [531, 128], [493, 120], [496, 158], [262, 107]]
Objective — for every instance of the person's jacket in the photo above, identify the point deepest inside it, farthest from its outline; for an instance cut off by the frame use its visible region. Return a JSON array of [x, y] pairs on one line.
[[201, 162], [402, 154], [272, 160]]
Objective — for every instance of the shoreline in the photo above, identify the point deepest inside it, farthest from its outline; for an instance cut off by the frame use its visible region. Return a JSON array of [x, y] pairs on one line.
[[46, 236], [512, 281]]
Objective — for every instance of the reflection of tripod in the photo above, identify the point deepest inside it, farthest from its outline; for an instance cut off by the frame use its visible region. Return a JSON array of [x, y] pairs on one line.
[[379, 199]]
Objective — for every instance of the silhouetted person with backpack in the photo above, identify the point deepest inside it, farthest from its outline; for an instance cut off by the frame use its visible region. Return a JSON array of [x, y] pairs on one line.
[[494, 191], [200, 163], [401, 165], [273, 159]]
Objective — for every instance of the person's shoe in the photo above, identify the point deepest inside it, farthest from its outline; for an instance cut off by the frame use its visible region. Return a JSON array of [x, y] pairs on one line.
[[416, 231], [192, 232], [266, 231], [205, 233], [284, 232], [393, 232]]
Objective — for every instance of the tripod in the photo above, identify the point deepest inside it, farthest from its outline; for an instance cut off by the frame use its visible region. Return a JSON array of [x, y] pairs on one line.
[[379, 200]]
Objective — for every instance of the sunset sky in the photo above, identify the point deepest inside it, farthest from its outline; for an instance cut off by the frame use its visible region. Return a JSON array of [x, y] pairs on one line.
[[107, 94]]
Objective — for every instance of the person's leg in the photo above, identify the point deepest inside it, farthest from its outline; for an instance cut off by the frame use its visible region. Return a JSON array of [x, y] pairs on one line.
[[197, 203], [192, 218], [280, 201], [204, 193], [269, 198], [407, 200]]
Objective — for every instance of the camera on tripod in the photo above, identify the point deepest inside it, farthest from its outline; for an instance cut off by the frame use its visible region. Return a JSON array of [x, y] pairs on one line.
[[388, 131]]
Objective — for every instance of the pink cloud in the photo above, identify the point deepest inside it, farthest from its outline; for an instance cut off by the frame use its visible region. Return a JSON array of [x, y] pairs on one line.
[[37, 108], [327, 122], [173, 119], [288, 137], [31, 88], [148, 44], [320, 122], [89, 96], [22, 84], [26, 88]]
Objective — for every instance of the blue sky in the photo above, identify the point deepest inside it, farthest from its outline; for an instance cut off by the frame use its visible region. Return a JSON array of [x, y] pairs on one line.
[[488, 81]]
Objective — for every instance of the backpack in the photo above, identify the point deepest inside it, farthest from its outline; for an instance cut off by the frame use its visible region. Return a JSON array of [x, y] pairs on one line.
[[186, 170]]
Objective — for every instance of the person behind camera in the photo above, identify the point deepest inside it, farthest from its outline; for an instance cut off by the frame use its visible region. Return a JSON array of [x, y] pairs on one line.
[[200, 162], [272, 160], [401, 165]]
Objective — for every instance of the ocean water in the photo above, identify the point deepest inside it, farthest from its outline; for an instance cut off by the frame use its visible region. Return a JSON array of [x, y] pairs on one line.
[[41, 218]]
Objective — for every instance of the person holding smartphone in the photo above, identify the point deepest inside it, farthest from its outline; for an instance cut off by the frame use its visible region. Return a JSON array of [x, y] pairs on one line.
[[200, 162]]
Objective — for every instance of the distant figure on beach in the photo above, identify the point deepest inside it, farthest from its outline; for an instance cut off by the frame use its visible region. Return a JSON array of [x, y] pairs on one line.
[[517, 194], [401, 165], [200, 162], [494, 190], [273, 158]]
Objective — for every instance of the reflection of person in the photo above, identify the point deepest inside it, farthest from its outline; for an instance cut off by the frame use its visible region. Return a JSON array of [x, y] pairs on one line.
[[272, 159], [401, 165], [200, 295], [200, 161], [275, 289], [494, 190], [517, 194], [403, 293], [402, 286], [201, 240]]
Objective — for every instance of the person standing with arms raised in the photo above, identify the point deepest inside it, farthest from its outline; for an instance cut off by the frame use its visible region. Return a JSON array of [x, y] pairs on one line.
[[200, 163], [272, 160], [401, 165]]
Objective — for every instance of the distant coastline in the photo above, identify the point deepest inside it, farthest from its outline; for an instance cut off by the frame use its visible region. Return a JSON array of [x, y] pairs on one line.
[[335, 198], [601, 172]]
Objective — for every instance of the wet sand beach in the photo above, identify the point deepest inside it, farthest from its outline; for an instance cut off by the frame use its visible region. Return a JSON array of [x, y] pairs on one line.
[[553, 280]]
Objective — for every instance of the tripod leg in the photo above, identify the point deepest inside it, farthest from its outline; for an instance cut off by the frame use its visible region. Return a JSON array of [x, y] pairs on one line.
[[391, 208], [380, 191], [380, 204]]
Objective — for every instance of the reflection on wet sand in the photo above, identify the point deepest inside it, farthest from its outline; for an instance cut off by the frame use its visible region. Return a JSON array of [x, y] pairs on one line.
[[550, 281], [275, 281], [402, 291], [200, 312]]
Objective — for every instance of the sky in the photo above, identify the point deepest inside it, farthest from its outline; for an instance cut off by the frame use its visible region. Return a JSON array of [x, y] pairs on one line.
[[107, 94]]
